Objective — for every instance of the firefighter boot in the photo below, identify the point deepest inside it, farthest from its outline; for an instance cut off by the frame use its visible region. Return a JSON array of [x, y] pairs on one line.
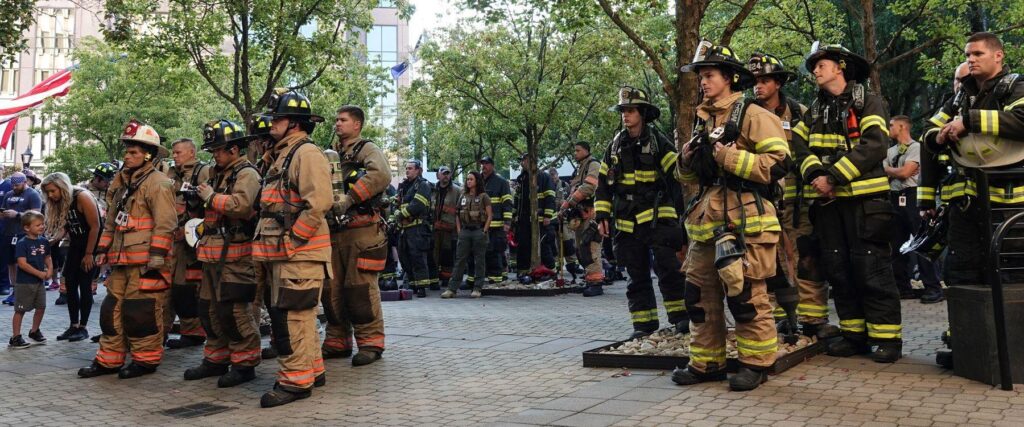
[[421, 292], [593, 289], [185, 341], [365, 357], [336, 354], [825, 331], [747, 379], [205, 370], [944, 358], [135, 370], [95, 370], [687, 376], [683, 327], [268, 353], [639, 333], [279, 396], [321, 380], [237, 375], [888, 352], [847, 347]]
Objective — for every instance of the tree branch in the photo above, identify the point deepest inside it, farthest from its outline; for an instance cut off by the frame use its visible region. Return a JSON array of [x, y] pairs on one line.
[[920, 48], [736, 22], [656, 63]]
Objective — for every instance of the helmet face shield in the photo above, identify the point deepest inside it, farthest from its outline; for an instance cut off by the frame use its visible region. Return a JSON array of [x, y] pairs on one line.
[[701, 53]]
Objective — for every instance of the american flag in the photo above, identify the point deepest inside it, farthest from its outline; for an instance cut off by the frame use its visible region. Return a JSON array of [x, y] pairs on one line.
[[54, 86]]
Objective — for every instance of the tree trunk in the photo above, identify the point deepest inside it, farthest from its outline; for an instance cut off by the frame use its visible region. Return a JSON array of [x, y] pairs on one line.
[[531, 192], [867, 25]]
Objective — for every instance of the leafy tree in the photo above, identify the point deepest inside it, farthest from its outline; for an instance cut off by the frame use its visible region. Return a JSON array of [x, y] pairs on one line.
[[17, 18], [77, 160]]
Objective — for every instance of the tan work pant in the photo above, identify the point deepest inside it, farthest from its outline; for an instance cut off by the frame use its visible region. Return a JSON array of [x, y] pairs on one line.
[[756, 338], [233, 334], [351, 298], [183, 297], [130, 320], [589, 251], [292, 289]]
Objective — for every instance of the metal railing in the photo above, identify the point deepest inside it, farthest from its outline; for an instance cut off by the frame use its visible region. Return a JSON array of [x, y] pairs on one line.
[[992, 274]]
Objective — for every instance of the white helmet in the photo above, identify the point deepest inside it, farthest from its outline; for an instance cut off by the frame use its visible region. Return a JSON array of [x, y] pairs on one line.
[[987, 151], [144, 134]]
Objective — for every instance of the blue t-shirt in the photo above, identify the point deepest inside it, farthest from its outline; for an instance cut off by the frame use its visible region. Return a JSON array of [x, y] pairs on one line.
[[21, 202], [35, 252]]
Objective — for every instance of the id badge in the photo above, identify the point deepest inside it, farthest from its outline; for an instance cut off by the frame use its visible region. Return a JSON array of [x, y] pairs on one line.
[[785, 125], [186, 186], [903, 201], [121, 219], [14, 241]]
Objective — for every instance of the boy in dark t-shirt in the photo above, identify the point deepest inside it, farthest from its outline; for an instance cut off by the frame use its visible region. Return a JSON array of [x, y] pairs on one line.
[[32, 253]]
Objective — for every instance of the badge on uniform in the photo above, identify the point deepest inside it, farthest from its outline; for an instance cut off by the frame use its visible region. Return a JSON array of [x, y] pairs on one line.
[[785, 125], [14, 241], [186, 187], [121, 219], [717, 132], [903, 201]]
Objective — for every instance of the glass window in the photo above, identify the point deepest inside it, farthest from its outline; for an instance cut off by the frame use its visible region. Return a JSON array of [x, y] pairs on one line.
[[382, 49], [9, 79], [387, 3]]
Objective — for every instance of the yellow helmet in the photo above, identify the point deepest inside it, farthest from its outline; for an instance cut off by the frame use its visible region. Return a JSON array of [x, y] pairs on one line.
[[987, 151]]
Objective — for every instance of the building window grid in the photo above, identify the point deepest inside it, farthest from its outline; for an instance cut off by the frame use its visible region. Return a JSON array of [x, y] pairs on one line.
[[382, 49]]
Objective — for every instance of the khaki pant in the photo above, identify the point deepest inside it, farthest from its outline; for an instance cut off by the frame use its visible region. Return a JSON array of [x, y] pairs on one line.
[[756, 338], [129, 319], [183, 297], [588, 244], [233, 334], [292, 291], [813, 306], [351, 299]]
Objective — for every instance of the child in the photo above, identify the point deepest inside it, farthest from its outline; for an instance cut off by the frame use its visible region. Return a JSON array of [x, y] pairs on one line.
[[34, 267]]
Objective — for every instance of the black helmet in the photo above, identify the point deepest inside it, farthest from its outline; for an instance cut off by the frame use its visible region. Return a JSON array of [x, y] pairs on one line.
[[291, 104], [105, 171], [221, 133], [261, 124], [855, 67], [711, 55], [637, 98], [930, 238], [765, 65]]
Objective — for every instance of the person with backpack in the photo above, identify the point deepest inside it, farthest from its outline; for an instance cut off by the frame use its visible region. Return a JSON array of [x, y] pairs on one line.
[[839, 150], [737, 157], [578, 211]]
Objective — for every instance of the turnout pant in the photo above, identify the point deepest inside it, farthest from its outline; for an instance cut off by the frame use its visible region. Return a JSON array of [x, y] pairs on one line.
[[813, 290], [590, 251], [854, 234], [131, 319], [497, 245], [226, 310], [292, 293], [524, 239], [756, 338], [633, 251], [443, 256], [351, 298], [413, 251], [472, 246], [183, 300]]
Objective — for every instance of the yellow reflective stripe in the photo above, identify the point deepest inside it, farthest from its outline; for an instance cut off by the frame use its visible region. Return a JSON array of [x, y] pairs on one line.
[[958, 189], [604, 168], [667, 212], [548, 214], [847, 168], [857, 188], [646, 176], [884, 331], [809, 162], [707, 355], [826, 140], [685, 176], [643, 316], [506, 198], [628, 178], [404, 211], [603, 206], [999, 195], [645, 216], [778, 312], [744, 164], [852, 325], [674, 306], [790, 192], [925, 193], [747, 347], [422, 199], [412, 223], [624, 225], [812, 310], [873, 120], [939, 119], [801, 129], [989, 122], [668, 160], [772, 144], [755, 224], [1014, 104], [497, 223], [506, 215]]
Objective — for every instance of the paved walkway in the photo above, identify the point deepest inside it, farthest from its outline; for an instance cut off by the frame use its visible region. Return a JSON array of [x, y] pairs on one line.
[[503, 361]]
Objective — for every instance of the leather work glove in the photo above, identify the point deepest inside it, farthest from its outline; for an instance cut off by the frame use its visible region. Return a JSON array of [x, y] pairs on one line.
[[205, 192], [342, 203], [155, 263]]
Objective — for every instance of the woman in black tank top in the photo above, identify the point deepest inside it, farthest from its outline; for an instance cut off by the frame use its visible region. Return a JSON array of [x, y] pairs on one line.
[[73, 213]]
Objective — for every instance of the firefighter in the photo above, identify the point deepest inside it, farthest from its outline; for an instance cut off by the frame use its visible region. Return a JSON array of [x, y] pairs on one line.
[[987, 107], [500, 193], [444, 201], [228, 289], [136, 242], [771, 75], [578, 210], [737, 156], [636, 192], [839, 150], [545, 213], [388, 279], [188, 172], [413, 217], [292, 244], [351, 297], [259, 141]]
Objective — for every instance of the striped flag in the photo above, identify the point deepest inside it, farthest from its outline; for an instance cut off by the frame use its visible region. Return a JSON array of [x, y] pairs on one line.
[[54, 86]]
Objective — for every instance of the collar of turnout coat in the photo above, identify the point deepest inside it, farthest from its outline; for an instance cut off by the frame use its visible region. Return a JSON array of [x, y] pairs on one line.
[[708, 108]]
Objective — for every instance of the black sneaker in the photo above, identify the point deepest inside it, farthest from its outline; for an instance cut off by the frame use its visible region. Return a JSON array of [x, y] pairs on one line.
[[67, 333], [95, 338], [421, 292], [62, 299], [37, 336], [932, 297], [80, 334], [18, 342]]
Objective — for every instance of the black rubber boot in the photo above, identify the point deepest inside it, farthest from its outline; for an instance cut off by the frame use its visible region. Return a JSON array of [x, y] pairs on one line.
[[135, 370], [683, 327], [888, 352], [847, 348], [421, 292], [268, 353], [687, 376], [95, 370], [365, 357], [185, 341], [320, 381], [237, 375], [639, 334], [435, 286], [279, 396], [747, 379], [593, 290], [828, 331], [944, 358], [336, 354], [205, 370]]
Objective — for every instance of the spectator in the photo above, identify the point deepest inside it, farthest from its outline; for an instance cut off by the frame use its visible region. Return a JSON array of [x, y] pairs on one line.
[[474, 215], [33, 267], [902, 165], [19, 199]]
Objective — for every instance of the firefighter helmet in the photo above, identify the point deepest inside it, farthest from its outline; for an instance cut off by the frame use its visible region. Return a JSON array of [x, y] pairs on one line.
[[711, 55], [291, 104], [987, 151], [765, 65], [261, 125], [105, 171], [855, 67], [930, 238], [136, 132], [636, 98], [222, 133]]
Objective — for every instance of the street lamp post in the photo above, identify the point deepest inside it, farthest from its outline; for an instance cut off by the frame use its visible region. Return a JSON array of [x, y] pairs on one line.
[[26, 157]]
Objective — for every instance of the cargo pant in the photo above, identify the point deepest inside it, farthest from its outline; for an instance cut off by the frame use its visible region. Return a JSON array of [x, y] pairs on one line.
[[351, 299], [292, 295], [183, 299], [497, 263], [413, 250], [472, 246], [131, 318], [633, 250], [589, 249], [226, 310], [813, 306], [856, 257], [442, 257], [756, 338]]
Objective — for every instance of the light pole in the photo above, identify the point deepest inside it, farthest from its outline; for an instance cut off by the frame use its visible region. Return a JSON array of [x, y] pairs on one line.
[[26, 157]]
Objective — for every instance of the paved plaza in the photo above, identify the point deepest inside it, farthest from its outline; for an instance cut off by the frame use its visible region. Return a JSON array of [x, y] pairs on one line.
[[502, 361]]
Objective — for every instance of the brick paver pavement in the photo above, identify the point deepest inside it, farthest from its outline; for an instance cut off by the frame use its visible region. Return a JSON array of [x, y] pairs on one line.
[[504, 361]]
